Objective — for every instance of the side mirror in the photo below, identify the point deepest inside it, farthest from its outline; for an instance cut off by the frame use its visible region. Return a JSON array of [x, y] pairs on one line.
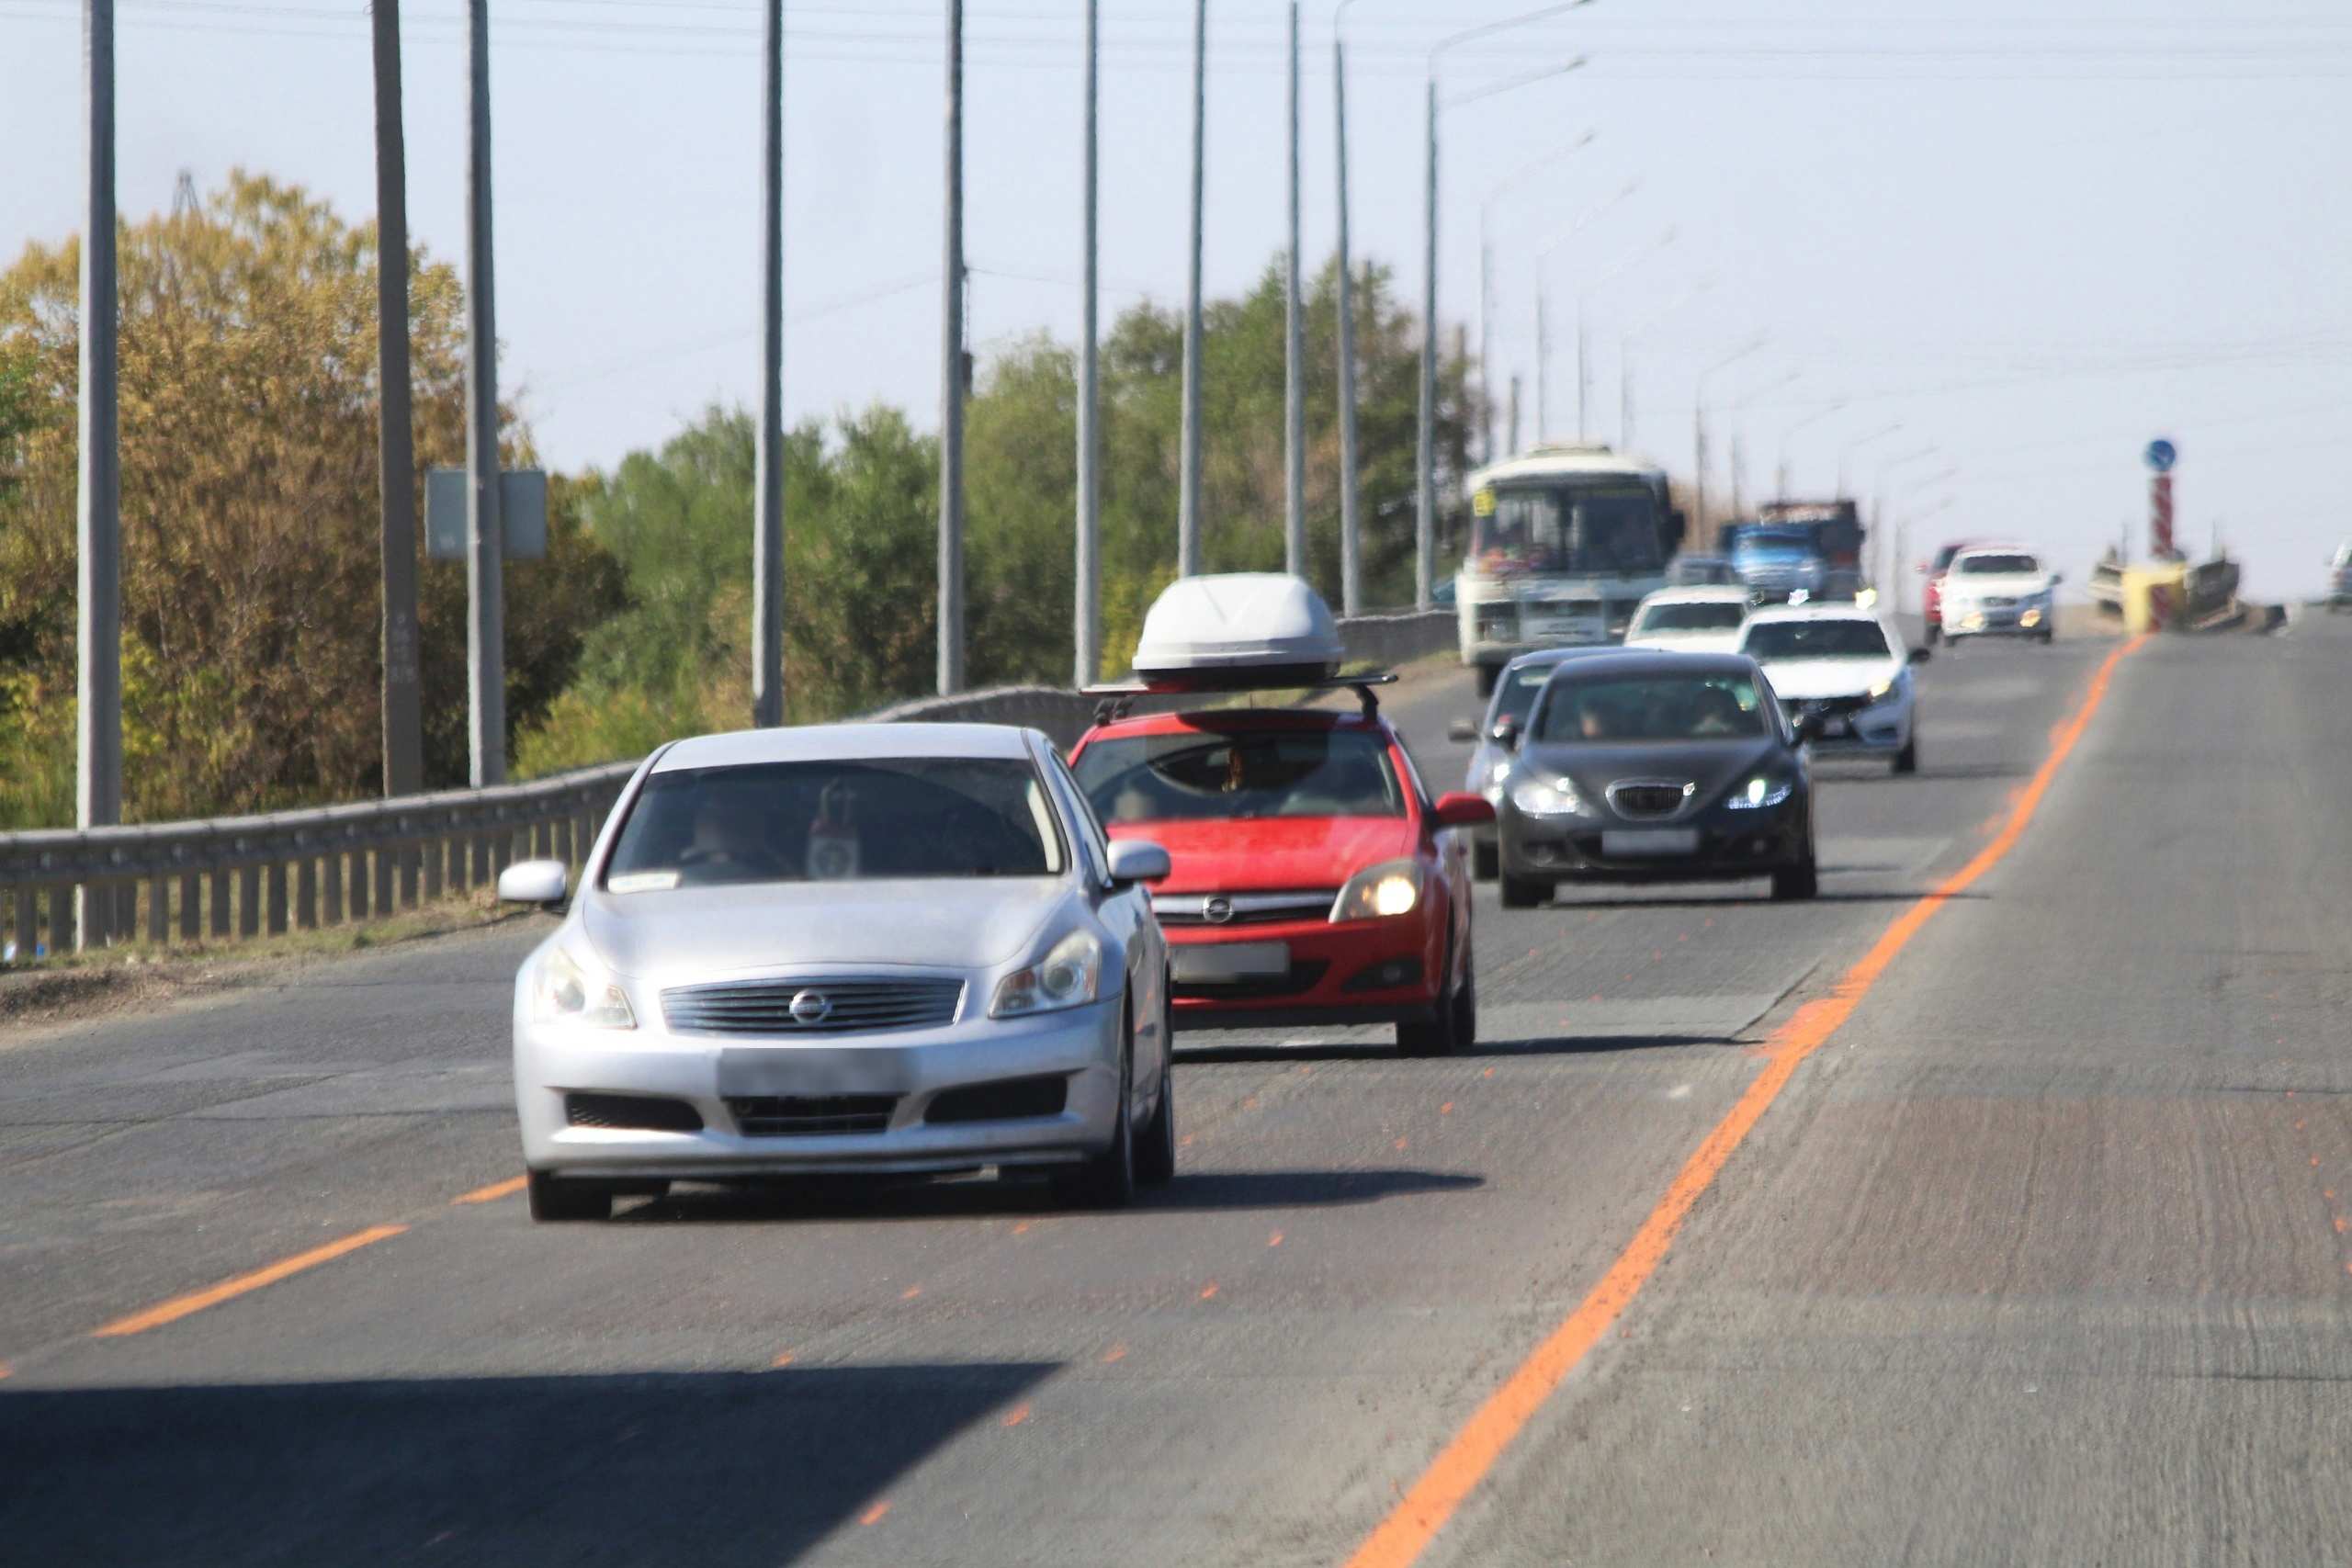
[[1508, 732], [1133, 860], [2056, 577], [1463, 730], [540, 881], [1462, 809], [1920, 655]]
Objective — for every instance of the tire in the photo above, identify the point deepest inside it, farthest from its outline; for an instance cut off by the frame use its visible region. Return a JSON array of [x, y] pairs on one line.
[[1453, 1027], [2049, 636], [1485, 862], [1156, 1145], [1524, 892], [1490, 677], [1908, 760], [556, 1201], [1107, 1180], [1796, 882]]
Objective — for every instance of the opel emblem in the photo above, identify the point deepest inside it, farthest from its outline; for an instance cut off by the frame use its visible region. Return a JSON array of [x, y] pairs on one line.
[[811, 1007], [1216, 911]]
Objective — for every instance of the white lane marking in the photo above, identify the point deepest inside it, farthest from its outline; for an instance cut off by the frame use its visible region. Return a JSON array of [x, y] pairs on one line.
[[1679, 1091]]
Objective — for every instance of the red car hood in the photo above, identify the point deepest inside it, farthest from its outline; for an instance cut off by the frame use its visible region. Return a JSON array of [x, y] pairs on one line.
[[1272, 855]]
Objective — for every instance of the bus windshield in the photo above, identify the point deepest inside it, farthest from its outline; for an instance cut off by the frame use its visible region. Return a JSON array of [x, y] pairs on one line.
[[1570, 530]]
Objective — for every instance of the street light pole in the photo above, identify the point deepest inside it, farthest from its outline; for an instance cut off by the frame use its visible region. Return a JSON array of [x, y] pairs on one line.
[[1086, 631], [951, 378], [1188, 494], [97, 772], [1293, 356], [767, 526], [1780, 473], [1626, 361], [1699, 427], [1544, 254], [485, 531], [1486, 280], [1351, 536], [403, 736], [1584, 300]]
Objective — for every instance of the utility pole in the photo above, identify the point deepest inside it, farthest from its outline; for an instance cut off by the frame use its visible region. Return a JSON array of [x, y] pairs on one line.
[[1294, 357], [1514, 414], [1188, 493], [1086, 629], [768, 523], [486, 532], [1351, 536], [395, 438], [1584, 373], [951, 380], [1543, 365], [1425, 443], [97, 781]]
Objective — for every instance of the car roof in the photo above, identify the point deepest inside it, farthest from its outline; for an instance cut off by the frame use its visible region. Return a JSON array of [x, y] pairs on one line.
[[846, 742], [1641, 661], [1699, 593], [1994, 547]]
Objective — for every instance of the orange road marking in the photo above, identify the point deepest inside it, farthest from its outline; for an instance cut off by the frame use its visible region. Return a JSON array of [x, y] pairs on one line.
[[1487, 1074], [2339, 1230], [910, 1292], [781, 1362], [493, 1192], [1466, 1460], [1208, 1291], [873, 1516], [1021, 1229], [1018, 1413], [1446, 1109], [194, 1302], [1115, 1353], [7, 1371], [1276, 1239], [1401, 1143], [1185, 1142]]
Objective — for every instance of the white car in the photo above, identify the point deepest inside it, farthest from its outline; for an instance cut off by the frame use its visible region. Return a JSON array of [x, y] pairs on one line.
[[1847, 667], [2000, 590], [885, 948], [1690, 620]]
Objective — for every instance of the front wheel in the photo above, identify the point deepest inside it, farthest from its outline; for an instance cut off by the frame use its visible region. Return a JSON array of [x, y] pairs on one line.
[[555, 1201], [1908, 760], [1935, 634], [1489, 675], [1797, 881], [1107, 1180], [1485, 862], [1453, 1027], [1522, 891], [1156, 1145]]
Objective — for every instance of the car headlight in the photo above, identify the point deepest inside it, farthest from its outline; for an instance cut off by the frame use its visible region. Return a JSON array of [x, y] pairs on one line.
[[1380, 892], [1547, 798], [1070, 975], [565, 989], [1496, 774], [1759, 793], [1884, 689]]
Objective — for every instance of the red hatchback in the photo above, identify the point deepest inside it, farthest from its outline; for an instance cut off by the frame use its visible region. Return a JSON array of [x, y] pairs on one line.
[[1932, 602], [1315, 881]]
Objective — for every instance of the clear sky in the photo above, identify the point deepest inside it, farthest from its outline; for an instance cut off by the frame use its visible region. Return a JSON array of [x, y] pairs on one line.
[[2033, 235]]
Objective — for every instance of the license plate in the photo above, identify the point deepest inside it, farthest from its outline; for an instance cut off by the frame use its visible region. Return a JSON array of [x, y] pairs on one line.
[[1833, 729], [1565, 628], [1230, 963], [1635, 843]]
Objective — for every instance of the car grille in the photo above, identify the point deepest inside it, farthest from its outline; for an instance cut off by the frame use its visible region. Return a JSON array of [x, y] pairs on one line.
[[1242, 908], [1828, 705], [631, 1114], [811, 1007], [1648, 797], [811, 1116]]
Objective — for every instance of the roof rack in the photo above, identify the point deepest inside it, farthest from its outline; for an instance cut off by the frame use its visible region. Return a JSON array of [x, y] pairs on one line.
[[1118, 697]]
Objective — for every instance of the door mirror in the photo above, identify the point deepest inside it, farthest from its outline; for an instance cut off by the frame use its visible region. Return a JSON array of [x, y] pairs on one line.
[[540, 881], [1506, 732], [1462, 809], [1463, 731], [1921, 654], [2056, 577], [1133, 860]]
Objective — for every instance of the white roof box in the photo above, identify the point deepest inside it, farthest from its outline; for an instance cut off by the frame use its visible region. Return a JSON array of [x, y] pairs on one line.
[[1235, 631]]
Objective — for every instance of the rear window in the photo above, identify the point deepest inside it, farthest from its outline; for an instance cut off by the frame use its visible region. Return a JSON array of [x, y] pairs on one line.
[[1717, 617], [837, 822], [1196, 776], [1659, 707]]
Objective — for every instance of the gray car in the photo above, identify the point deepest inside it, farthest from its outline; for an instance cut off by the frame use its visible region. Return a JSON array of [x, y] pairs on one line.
[[1496, 736], [888, 949]]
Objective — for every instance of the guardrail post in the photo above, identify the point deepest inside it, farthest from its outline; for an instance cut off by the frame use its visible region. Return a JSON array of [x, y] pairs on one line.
[[436, 855], [410, 856], [542, 840], [278, 898], [249, 901], [306, 893], [359, 890], [502, 849], [219, 911], [563, 839], [331, 866], [28, 920], [191, 904], [388, 860], [159, 911], [60, 918], [480, 871]]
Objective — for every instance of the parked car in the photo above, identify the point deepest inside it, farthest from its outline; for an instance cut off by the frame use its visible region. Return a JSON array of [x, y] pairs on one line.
[[1848, 670], [846, 948], [1643, 766]]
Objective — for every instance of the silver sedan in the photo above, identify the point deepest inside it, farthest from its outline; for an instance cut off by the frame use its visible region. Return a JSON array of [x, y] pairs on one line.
[[853, 948]]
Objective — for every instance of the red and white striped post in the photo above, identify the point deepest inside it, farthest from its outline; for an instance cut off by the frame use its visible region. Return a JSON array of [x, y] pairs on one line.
[[2160, 516]]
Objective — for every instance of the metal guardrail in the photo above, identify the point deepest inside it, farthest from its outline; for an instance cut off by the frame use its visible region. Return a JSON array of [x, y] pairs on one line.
[[240, 877]]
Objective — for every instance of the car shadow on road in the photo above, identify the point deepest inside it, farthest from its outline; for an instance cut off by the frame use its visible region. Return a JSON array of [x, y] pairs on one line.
[[1733, 900], [1373, 1051], [874, 1199], [1929, 773], [733, 1470]]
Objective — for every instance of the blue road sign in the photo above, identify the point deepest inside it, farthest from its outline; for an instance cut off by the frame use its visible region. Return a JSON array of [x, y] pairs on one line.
[[2162, 456]]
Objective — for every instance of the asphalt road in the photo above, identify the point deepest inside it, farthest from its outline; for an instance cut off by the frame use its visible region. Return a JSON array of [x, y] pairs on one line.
[[2040, 1256]]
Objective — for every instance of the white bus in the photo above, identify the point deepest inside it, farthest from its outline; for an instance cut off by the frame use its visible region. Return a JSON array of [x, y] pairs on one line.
[[1564, 541]]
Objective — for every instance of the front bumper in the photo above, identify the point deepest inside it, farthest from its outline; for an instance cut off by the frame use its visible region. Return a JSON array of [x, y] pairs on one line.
[[1732, 845], [1356, 972], [899, 1076], [2005, 620]]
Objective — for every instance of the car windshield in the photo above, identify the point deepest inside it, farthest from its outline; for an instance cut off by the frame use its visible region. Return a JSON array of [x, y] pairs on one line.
[[1516, 695], [1651, 708], [837, 822], [1601, 530], [1195, 777], [1854, 638], [1778, 545], [1998, 566], [1692, 572], [1712, 617]]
